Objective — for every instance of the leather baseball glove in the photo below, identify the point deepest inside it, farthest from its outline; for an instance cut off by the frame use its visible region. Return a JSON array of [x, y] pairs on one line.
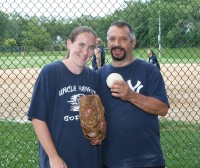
[[92, 119]]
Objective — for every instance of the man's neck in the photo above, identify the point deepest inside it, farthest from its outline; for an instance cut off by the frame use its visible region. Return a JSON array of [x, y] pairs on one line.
[[123, 62]]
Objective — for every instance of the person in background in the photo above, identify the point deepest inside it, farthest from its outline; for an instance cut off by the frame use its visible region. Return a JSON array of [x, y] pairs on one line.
[[152, 58], [98, 59], [132, 105], [54, 108]]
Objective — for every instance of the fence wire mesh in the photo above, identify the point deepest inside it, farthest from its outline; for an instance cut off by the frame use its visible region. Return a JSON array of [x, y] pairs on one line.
[[33, 33]]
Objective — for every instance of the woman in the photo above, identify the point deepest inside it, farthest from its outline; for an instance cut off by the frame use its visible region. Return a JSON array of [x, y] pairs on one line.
[[54, 109], [152, 58]]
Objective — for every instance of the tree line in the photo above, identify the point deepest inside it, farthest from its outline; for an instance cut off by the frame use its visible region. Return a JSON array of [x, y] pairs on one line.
[[179, 25]]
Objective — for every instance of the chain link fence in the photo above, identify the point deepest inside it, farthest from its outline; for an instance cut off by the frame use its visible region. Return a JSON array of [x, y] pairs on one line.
[[33, 33]]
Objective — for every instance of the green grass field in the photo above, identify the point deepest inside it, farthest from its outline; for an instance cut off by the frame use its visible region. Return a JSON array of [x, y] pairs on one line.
[[180, 143], [29, 60], [39, 59], [18, 145]]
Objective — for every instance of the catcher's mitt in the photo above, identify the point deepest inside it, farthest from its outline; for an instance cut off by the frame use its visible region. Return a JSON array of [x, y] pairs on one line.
[[91, 113]]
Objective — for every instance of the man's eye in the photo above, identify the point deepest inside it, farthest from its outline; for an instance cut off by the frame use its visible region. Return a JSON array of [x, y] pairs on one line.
[[111, 39], [124, 39]]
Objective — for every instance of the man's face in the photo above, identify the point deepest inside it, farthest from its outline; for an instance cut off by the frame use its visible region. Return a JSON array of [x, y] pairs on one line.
[[119, 43]]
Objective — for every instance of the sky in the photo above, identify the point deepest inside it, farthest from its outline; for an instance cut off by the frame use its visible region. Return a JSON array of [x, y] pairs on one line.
[[61, 8]]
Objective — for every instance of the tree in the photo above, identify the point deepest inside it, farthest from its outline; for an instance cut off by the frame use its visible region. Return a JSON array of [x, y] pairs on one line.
[[35, 35], [4, 21], [177, 21], [16, 25], [10, 42]]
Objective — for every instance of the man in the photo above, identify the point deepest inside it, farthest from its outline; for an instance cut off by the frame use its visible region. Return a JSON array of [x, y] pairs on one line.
[[99, 55], [132, 106]]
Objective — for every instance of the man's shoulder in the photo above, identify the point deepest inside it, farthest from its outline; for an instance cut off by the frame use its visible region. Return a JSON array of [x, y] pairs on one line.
[[97, 49], [100, 47], [104, 69]]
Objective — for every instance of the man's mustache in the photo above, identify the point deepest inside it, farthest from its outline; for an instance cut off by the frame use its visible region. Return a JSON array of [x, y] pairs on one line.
[[113, 48]]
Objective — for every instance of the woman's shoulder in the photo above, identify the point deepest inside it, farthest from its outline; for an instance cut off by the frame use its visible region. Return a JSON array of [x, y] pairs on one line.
[[53, 64], [53, 67], [89, 70]]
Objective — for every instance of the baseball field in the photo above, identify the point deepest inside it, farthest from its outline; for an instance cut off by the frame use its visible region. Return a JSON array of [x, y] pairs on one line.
[[182, 84]]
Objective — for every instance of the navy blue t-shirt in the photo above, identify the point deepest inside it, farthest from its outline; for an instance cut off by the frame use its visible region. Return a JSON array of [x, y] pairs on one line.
[[132, 138], [55, 100]]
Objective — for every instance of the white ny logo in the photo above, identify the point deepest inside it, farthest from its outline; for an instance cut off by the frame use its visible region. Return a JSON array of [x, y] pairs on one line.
[[137, 87]]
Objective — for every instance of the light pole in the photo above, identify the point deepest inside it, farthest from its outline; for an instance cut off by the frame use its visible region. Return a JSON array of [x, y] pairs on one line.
[[159, 32]]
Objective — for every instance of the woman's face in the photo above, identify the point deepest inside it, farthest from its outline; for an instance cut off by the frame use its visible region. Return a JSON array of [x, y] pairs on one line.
[[149, 53], [82, 49]]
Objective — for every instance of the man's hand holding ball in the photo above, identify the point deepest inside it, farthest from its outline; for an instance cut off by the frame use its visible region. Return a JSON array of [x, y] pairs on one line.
[[112, 78], [121, 88]]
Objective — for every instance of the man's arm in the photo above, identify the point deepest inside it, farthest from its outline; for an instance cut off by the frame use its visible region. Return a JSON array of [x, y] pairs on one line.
[[97, 53], [46, 141], [148, 104]]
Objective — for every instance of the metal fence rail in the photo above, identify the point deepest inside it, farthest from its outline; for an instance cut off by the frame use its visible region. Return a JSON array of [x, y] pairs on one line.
[[33, 34]]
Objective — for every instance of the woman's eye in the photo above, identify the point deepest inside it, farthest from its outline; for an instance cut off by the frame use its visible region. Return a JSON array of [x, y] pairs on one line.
[[81, 45], [92, 48]]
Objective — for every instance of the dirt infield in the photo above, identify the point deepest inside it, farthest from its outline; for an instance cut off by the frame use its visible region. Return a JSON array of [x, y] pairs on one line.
[[182, 84], [16, 91], [183, 89]]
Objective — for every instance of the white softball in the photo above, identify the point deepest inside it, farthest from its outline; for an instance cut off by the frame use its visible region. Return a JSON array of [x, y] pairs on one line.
[[113, 77]]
